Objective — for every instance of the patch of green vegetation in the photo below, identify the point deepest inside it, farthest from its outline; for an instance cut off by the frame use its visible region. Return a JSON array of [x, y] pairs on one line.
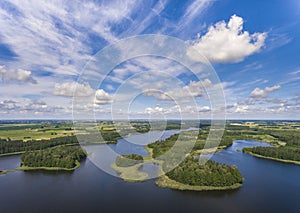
[[3, 172], [161, 147], [289, 152], [284, 153], [34, 131], [272, 158], [18, 146], [210, 173], [131, 173], [57, 158], [128, 160]]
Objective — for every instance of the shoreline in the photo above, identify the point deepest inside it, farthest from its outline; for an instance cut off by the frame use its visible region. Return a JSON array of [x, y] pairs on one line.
[[166, 182], [3, 172], [131, 173], [11, 153], [273, 159], [28, 168]]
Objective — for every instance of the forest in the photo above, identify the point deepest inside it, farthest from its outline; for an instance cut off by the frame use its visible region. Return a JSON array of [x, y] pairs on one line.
[[59, 157], [284, 153], [214, 174], [12, 146], [291, 151]]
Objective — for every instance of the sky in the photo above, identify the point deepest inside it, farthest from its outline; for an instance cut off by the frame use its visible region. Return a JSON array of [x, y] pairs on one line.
[[252, 46]]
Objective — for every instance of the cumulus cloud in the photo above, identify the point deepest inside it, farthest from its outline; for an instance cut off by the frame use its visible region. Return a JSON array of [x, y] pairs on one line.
[[69, 89], [157, 109], [27, 106], [227, 42], [195, 109], [19, 75], [242, 109], [103, 97], [204, 109], [258, 93]]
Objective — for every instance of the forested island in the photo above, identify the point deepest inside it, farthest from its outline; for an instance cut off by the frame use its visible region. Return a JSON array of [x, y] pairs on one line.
[[127, 166], [192, 175], [56, 158]]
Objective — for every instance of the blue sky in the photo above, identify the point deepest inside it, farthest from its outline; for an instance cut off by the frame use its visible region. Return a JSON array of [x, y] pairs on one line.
[[252, 45]]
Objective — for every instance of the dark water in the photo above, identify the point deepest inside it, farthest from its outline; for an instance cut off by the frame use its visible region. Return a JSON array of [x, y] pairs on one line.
[[269, 187]]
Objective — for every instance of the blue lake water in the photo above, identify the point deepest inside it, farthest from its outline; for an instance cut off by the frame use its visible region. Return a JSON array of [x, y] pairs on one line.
[[269, 187]]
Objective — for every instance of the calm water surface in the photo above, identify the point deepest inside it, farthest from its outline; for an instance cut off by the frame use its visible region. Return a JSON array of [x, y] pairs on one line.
[[269, 187]]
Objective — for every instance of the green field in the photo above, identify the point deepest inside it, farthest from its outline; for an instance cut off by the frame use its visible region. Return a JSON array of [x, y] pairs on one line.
[[34, 131]]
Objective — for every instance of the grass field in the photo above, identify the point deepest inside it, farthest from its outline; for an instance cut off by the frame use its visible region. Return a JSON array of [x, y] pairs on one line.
[[34, 131]]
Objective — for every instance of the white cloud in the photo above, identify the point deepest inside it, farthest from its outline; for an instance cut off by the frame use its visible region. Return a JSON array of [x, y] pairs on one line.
[[69, 88], [157, 94], [242, 109], [18, 75], [103, 97], [273, 88], [193, 89], [55, 36], [157, 109], [27, 106], [227, 42], [195, 109], [157, 66], [204, 109], [193, 10], [258, 93]]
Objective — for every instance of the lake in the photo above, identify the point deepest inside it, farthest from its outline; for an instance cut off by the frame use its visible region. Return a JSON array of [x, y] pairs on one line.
[[269, 187]]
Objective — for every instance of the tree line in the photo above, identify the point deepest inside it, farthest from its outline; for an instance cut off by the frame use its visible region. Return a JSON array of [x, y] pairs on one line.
[[291, 151], [7, 146], [284, 153]]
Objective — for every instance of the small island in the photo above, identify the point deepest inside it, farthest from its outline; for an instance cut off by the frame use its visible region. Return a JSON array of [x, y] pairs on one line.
[[66, 158], [128, 160], [127, 166], [192, 175]]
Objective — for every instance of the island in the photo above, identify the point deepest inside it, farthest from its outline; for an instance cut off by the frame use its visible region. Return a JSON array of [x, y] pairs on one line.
[[127, 166], [66, 158], [192, 175]]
